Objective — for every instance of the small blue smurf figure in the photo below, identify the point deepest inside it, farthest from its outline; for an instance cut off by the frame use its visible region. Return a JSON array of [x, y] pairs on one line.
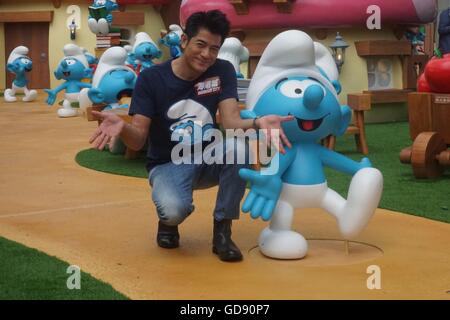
[[416, 36], [72, 69], [112, 80], [172, 40], [296, 76], [145, 50], [100, 17], [91, 59], [19, 64], [233, 51], [131, 59]]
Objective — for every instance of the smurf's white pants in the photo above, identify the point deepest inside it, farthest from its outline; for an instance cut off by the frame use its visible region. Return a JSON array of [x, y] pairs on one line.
[[352, 215], [69, 98], [67, 110], [10, 94]]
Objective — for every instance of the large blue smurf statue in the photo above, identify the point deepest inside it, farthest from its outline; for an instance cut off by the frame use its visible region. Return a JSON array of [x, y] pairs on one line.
[[298, 77], [233, 51], [145, 50], [72, 68], [19, 64], [100, 17], [112, 80], [172, 40]]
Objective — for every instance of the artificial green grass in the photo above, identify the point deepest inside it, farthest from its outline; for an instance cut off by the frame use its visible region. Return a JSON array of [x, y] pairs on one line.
[[402, 191], [2, 93], [75, 104], [111, 163], [29, 274]]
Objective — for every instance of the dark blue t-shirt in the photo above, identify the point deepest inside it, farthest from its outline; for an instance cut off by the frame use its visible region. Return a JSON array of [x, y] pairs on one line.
[[176, 104]]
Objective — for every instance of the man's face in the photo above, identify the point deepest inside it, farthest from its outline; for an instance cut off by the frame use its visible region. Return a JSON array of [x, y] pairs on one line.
[[200, 52]]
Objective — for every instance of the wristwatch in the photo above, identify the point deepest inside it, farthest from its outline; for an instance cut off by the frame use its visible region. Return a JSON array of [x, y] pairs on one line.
[[254, 123]]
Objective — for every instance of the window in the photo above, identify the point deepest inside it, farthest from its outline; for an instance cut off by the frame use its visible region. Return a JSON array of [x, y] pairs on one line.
[[380, 73]]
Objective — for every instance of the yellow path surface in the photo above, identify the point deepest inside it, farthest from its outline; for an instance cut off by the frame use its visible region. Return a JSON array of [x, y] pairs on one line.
[[106, 224]]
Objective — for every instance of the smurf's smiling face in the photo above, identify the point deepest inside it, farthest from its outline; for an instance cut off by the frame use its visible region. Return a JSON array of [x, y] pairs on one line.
[[70, 69], [20, 64], [27, 63], [99, 3], [315, 108], [110, 5]]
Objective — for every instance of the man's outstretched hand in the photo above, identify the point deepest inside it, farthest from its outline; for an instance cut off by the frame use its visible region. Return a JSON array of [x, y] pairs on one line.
[[111, 126], [273, 122]]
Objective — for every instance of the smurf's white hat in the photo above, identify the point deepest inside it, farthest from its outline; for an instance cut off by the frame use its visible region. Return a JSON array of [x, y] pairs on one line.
[[291, 53], [73, 51], [112, 59], [142, 37], [325, 61], [176, 28], [233, 51], [18, 52]]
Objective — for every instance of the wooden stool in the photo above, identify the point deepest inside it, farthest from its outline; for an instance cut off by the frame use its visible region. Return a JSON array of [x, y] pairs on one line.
[[359, 103]]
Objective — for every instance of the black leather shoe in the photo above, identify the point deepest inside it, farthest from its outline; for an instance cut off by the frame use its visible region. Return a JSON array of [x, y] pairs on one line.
[[168, 236], [223, 246]]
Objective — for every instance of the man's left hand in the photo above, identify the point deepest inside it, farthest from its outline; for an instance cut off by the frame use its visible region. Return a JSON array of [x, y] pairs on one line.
[[271, 122]]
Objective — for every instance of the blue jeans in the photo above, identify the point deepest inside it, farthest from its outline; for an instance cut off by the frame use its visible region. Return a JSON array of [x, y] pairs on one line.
[[173, 186]]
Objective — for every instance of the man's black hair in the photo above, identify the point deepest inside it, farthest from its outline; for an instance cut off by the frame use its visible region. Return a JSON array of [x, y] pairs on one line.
[[214, 21]]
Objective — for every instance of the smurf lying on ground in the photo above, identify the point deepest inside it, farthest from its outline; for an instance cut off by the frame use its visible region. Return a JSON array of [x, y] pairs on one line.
[[112, 80]]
